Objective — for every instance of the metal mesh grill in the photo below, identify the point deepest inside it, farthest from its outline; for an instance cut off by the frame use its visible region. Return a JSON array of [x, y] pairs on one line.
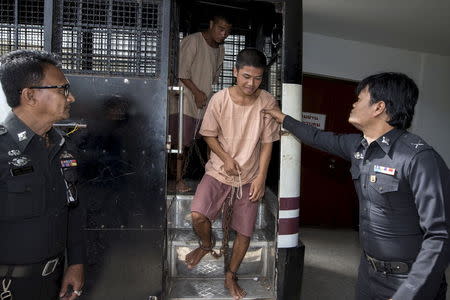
[[115, 37], [233, 44], [274, 69], [21, 25]]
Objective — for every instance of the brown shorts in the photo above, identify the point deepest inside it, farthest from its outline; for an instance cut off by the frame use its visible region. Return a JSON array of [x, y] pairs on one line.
[[189, 126], [209, 199]]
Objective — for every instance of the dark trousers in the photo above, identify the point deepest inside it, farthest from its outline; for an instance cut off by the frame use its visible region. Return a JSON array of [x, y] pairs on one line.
[[36, 287], [372, 285]]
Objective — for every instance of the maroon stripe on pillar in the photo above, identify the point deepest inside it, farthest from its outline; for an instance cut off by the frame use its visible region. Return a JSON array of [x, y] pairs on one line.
[[288, 226], [289, 203]]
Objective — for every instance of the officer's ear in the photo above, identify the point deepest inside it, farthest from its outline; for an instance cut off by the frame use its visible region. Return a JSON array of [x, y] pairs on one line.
[[27, 97], [380, 108]]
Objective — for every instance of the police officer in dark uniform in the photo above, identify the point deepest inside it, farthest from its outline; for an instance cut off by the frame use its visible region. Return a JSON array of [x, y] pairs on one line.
[[40, 219], [403, 189]]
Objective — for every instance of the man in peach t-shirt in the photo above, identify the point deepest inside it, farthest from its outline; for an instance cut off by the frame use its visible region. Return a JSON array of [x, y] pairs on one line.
[[200, 62], [240, 138]]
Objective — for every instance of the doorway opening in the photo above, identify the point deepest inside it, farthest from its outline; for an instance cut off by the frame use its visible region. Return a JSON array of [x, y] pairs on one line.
[[254, 24]]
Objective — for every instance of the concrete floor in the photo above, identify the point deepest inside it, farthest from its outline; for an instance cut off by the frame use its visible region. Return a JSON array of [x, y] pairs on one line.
[[331, 264]]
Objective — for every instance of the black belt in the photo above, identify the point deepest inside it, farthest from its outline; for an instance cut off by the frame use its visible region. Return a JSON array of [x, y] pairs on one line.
[[388, 267], [43, 269]]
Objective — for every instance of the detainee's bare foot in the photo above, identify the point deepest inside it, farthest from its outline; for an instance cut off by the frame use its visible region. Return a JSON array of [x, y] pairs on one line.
[[193, 258], [235, 290], [182, 187]]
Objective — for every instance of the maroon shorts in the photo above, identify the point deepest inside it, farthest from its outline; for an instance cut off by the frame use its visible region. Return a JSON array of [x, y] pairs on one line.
[[211, 195], [189, 126]]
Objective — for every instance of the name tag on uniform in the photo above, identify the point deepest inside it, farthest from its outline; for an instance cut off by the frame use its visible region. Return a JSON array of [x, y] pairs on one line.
[[384, 170], [21, 170]]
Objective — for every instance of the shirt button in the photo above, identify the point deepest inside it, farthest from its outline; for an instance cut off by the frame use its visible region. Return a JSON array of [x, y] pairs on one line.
[[381, 188], [53, 189], [28, 189]]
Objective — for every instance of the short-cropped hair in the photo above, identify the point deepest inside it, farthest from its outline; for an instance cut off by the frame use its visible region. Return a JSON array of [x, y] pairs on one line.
[[21, 69], [251, 57], [397, 91]]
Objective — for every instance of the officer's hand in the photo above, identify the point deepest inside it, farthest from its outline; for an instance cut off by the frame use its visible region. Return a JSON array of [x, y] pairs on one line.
[[74, 277], [200, 99], [257, 189], [231, 167], [275, 113]]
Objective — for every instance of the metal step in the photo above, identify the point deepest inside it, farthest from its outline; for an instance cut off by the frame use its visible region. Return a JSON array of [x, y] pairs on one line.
[[179, 213], [258, 259], [192, 289], [206, 281]]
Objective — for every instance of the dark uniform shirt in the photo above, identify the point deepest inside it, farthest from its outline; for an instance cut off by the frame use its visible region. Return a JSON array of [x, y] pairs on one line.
[[404, 197], [36, 222]]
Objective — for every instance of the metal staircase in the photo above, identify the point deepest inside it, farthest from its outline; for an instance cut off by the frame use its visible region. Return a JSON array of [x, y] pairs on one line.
[[206, 280]]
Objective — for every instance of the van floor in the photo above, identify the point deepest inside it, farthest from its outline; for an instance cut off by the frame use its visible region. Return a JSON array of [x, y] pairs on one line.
[[331, 263]]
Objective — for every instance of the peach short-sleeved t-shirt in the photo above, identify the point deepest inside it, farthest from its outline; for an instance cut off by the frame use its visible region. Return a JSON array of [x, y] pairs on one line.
[[200, 63], [240, 130]]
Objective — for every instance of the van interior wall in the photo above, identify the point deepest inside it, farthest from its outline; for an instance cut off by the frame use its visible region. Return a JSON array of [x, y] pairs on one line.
[[354, 60]]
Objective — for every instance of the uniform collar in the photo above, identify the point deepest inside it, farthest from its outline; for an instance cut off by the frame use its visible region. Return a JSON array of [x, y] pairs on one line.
[[364, 143], [22, 134], [388, 139]]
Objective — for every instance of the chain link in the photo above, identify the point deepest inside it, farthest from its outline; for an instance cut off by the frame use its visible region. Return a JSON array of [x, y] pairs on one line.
[[227, 215], [6, 293], [227, 210], [226, 221], [189, 155]]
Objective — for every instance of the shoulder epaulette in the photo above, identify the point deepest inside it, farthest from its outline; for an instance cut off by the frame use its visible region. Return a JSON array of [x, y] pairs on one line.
[[3, 130], [415, 142]]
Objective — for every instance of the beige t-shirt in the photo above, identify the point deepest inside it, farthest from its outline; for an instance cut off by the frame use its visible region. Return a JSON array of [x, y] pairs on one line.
[[200, 63], [240, 130]]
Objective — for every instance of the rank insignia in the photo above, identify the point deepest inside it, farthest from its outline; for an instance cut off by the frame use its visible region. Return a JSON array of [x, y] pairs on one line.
[[358, 155], [3, 130], [418, 144], [66, 155], [14, 152], [22, 136], [67, 163], [385, 140], [384, 170], [373, 178], [20, 161]]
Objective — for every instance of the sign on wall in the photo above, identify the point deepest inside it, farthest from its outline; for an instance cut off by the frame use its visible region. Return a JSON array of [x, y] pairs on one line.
[[316, 120]]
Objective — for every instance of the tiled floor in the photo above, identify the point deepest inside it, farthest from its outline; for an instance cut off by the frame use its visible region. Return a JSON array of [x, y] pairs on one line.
[[331, 264]]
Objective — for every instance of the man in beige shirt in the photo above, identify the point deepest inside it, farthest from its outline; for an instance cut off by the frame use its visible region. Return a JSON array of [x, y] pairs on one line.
[[201, 58], [240, 138]]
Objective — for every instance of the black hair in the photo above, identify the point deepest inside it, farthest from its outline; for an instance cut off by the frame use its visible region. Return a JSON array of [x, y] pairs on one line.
[[397, 91], [251, 57], [217, 18], [21, 69]]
